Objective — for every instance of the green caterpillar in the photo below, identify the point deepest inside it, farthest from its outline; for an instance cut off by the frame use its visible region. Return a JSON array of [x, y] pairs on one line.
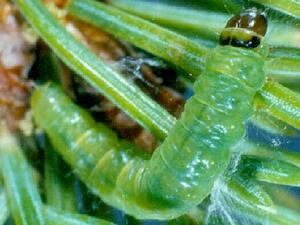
[[182, 170]]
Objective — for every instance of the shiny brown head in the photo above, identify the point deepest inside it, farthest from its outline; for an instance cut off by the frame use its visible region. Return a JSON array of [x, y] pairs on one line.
[[245, 30]]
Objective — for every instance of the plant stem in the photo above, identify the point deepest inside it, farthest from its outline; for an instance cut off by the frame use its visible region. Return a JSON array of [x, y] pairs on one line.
[[24, 202], [238, 197], [273, 125], [283, 196], [137, 31], [290, 7], [202, 22], [287, 216], [285, 53], [270, 170], [117, 88], [4, 209], [259, 203], [149, 36], [253, 149], [56, 217], [268, 164], [283, 70], [247, 198], [279, 102], [283, 65]]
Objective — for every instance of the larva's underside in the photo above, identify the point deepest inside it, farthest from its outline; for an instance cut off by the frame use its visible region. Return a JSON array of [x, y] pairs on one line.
[[183, 169]]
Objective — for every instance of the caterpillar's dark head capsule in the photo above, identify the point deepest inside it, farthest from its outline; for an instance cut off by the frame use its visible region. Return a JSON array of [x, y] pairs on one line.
[[245, 30]]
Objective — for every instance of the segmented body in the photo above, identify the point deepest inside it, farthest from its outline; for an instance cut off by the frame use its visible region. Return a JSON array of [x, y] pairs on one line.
[[183, 169]]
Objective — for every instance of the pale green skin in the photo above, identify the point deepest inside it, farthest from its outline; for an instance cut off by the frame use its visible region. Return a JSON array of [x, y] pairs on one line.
[[183, 169]]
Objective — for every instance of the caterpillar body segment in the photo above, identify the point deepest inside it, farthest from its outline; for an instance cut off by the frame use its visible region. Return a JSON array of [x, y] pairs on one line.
[[183, 169], [196, 150]]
